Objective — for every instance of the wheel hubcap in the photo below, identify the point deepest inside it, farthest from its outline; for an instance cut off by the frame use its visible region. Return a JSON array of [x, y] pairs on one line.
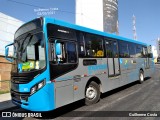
[[91, 93], [141, 77]]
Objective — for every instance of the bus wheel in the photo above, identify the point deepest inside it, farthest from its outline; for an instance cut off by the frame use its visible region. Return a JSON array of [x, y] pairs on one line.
[[92, 93], [141, 76]]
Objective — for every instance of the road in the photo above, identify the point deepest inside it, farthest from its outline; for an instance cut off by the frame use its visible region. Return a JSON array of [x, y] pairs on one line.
[[132, 97]]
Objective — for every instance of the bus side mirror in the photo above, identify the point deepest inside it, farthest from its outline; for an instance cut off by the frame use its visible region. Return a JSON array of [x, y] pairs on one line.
[[58, 48], [7, 51]]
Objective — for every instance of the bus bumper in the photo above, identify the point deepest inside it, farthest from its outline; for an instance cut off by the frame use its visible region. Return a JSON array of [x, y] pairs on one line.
[[42, 100]]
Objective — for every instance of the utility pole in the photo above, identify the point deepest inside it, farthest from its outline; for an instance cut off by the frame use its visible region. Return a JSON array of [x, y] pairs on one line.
[[134, 28]]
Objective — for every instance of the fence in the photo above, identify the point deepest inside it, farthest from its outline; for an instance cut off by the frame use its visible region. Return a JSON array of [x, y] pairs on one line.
[[5, 86]]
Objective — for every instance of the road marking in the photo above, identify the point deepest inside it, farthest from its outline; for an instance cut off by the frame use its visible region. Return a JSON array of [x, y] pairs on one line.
[[106, 105], [123, 97]]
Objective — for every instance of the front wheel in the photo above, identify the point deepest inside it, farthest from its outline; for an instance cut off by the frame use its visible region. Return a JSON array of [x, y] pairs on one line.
[[141, 76], [92, 93]]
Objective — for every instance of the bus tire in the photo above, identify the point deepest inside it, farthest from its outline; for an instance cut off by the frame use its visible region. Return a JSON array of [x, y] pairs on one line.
[[92, 93], [141, 76]]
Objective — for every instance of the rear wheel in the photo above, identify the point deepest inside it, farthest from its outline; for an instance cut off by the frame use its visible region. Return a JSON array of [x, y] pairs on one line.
[[141, 76], [92, 93]]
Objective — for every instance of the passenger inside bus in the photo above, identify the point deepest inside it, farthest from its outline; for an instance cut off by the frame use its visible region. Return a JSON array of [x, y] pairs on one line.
[[100, 52]]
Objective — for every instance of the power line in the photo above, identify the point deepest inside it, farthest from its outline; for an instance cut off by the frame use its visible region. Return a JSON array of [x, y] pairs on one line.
[[34, 6], [31, 5], [63, 11], [68, 12], [25, 3]]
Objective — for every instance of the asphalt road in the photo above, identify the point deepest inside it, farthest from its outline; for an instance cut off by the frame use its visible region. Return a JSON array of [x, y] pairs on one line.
[[132, 97]]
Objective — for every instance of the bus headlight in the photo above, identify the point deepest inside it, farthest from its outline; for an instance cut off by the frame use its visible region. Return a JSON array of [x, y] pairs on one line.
[[41, 84], [37, 87], [33, 89]]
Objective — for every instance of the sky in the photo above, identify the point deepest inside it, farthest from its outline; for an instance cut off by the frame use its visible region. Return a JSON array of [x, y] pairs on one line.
[[146, 12]]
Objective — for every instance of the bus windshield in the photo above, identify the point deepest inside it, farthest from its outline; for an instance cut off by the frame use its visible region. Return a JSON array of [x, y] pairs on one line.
[[29, 52]]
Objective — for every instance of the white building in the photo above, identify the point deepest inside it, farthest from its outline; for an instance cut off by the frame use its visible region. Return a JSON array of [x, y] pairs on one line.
[[154, 51], [97, 14], [8, 26], [158, 47]]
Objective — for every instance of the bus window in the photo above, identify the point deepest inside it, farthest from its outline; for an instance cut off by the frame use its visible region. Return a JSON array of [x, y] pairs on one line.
[[132, 51], [115, 50], [68, 53], [112, 49], [139, 51], [81, 46], [124, 49], [71, 52], [94, 46], [109, 49]]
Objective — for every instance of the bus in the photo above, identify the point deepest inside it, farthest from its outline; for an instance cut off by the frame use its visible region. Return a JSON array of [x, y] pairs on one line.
[[56, 63]]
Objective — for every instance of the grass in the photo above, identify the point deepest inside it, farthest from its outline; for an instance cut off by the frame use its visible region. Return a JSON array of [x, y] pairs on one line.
[[3, 92]]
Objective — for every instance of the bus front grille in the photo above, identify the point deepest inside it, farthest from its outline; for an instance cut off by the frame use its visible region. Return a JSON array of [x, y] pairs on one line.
[[19, 96], [20, 80]]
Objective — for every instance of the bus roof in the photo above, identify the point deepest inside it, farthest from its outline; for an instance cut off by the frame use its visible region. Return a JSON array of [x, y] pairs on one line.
[[85, 29]]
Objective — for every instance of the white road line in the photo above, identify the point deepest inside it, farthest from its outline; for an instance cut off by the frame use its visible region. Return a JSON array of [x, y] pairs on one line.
[[106, 105]]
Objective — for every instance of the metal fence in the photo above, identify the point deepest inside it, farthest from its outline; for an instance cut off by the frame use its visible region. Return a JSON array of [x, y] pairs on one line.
[[5, 86]]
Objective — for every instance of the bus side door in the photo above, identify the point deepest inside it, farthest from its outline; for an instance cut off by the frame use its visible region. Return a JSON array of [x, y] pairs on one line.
[[113, 58], [146, 58]]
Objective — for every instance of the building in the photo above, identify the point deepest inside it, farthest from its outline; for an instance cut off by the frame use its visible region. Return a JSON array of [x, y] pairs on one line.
[[98, 14], [154, 51], [158, 47], [8, 26]]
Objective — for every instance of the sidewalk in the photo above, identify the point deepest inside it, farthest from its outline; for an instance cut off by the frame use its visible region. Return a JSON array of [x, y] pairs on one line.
[[5, 101]]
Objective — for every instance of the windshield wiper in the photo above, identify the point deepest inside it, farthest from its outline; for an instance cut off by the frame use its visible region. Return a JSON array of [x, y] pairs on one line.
[[29, 39], [24, 46]]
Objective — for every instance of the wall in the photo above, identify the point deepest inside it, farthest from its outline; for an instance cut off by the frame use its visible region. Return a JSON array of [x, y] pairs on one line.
[[110, 15], [5, 69], [97, 14], [8, 26], [89, 13]]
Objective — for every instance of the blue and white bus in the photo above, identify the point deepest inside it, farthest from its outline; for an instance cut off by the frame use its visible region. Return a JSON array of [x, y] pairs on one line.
[[56, 63]]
